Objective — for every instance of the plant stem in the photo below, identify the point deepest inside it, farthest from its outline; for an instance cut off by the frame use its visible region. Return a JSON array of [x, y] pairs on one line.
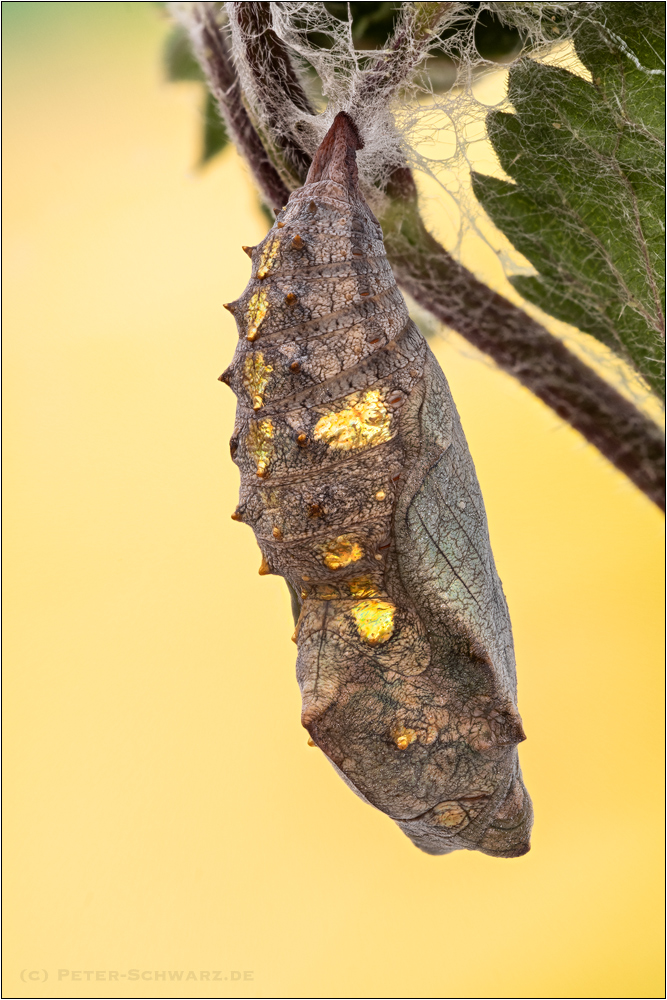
[[212, 51], [405, 50]]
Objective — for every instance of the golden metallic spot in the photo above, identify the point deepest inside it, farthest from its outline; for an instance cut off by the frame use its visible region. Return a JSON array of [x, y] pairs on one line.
[[277, 533], [304, 595], [366, 421], [248, 250], [256, 378], [295, 367], [229, 306], [302, 440], [268, 258], [291, 299], [340, 552], [236, 516], [257, 310], [378, 557], [374, 621], [295, 634], [315, 510], [403, 737], [363, 586], [380, 495], [449, 814], [307, 578], [280, 225], [325, 593], [311, 743], [297, 242], [259, 444], [264, 569]]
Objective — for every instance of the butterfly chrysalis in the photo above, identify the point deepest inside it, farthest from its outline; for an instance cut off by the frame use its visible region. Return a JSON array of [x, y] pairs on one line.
[[357, 481]]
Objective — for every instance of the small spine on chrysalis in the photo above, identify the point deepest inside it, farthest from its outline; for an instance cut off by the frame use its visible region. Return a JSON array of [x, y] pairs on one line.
[[264, 569], [248, 250]]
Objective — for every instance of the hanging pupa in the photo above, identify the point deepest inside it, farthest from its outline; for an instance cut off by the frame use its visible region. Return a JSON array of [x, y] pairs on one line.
[[357, 481]]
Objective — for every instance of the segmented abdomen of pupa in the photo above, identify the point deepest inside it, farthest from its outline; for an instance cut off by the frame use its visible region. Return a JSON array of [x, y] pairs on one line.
[[358, 483]]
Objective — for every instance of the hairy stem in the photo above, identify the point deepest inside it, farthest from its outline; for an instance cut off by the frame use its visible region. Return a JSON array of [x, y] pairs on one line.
[[397, 62], [212, 51], [274, 79], [518, 344]]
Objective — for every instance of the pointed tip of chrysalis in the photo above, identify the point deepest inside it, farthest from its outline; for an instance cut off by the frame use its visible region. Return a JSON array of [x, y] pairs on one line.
[[248, 250], [230, 307], [335, 159]]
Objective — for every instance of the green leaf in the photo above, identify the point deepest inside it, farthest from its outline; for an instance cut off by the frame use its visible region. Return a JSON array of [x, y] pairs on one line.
[[215, 136], [179, 62], [586, 208]]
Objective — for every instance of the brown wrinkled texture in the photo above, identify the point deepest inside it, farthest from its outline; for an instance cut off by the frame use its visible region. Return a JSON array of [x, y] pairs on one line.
[[358, 483]]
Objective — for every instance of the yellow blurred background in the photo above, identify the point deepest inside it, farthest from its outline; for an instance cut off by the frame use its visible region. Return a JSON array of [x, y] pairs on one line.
[[163, 811]]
